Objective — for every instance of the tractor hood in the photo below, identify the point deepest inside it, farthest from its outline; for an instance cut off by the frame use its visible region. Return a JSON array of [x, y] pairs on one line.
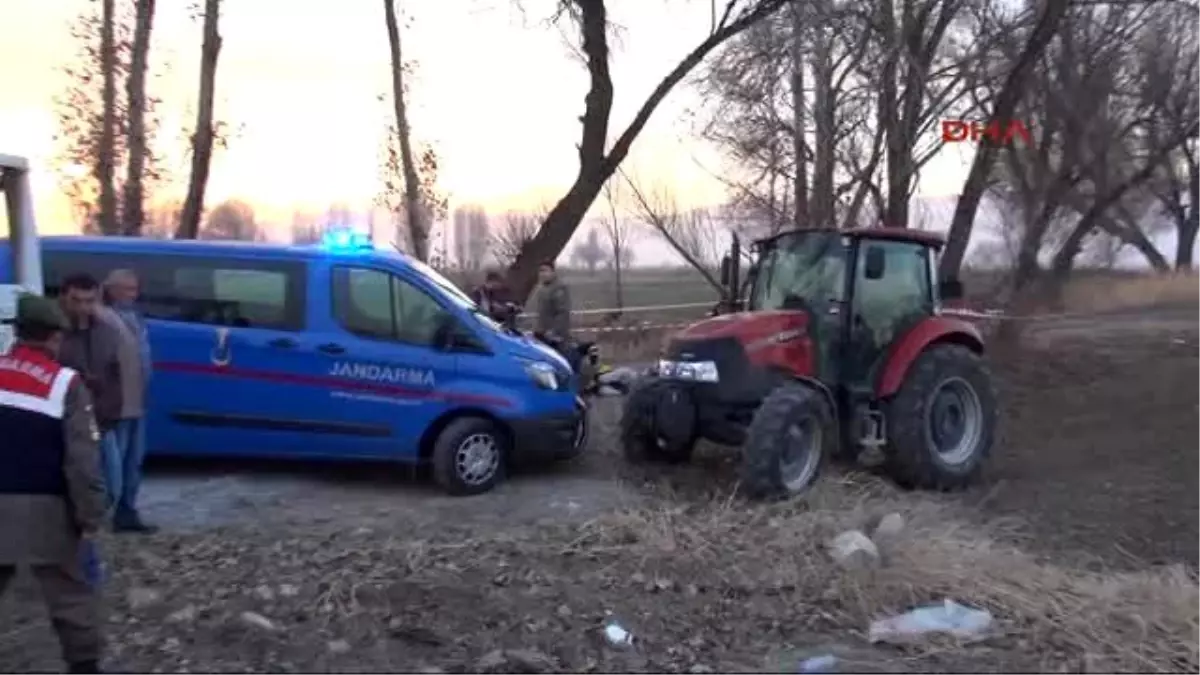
[[748, 328]]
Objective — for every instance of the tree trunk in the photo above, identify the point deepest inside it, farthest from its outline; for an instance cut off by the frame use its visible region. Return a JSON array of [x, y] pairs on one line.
[[620, 282], [418, 229], [959, 236], [800, 180], [106, 160], [821, 209], [202, 137], [1188, 228], [596, 166], [133, 209]]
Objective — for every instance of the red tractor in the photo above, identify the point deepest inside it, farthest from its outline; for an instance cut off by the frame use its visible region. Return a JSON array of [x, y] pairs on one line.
[[838, 345]]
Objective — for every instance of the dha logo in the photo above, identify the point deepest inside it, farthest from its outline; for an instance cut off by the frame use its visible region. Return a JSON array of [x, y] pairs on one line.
[[999, 133]]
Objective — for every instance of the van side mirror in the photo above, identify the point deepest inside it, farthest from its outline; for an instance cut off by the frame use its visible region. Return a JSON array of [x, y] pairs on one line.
[[875, 263], [726, 270], [950, 289]]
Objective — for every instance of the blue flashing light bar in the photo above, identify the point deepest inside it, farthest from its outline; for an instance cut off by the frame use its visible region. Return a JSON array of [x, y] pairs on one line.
[[346, 241]]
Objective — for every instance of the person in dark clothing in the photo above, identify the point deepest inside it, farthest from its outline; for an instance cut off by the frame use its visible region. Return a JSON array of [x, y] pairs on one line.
[[92, 346], [52, 495], [493, 298]]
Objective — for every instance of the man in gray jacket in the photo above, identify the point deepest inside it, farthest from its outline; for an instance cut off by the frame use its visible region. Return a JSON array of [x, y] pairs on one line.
[[553, 302], [125, 472], [91, 346]]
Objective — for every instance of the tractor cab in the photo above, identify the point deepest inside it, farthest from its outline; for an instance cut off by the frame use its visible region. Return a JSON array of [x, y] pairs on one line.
[[16, 212], [846, 321]]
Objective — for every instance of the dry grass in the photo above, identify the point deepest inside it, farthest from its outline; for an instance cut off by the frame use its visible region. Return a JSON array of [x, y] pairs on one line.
[[1144, 622], [1096, 293]]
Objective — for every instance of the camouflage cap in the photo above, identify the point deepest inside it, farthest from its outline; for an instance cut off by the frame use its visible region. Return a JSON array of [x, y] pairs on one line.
[[35, 310]]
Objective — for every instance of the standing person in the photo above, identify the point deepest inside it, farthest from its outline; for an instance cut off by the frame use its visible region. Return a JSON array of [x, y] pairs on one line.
[[553, 303], [91, 346], [124, 466], [52, 499]]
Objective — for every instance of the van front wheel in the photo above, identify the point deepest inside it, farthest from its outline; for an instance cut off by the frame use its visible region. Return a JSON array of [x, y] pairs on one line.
[[468, 456]]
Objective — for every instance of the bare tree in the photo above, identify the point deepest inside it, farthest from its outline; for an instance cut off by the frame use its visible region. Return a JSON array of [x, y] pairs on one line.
[[598, 161], [620, 234], [589, 253], [693, 234], [204, 135], [132, 208], [80, 119], [393, 193], [1095, 111], [417, 225], [517, 229], [232, 220], [105, 168], [1049, 15], [471, 236], [1167, 69]]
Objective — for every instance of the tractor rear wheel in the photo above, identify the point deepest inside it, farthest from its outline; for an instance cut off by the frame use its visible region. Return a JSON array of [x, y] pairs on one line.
[[641, 438], [942, 421], [792, 433]]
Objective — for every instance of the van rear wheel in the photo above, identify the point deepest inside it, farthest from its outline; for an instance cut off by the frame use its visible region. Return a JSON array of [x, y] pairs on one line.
[[469, 456]]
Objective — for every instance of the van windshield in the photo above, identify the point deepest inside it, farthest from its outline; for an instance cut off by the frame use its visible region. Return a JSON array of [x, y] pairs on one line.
[[455, 294]]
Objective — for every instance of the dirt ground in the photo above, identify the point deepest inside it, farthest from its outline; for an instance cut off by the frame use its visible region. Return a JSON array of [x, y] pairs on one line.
[[1082, 542]]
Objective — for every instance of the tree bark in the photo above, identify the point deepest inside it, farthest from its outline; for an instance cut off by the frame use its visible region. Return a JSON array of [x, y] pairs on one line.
[[133, 209], [959, 236], [1188, 228], [418, 229], [821, 205], [595, 166], [202, 137], [105, 164], [800, 215]]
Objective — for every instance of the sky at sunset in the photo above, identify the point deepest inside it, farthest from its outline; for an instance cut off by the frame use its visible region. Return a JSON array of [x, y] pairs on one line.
[[498, 92]]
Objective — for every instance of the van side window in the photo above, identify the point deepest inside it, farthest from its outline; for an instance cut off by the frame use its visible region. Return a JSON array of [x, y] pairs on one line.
[[375, 304], [243, 293]]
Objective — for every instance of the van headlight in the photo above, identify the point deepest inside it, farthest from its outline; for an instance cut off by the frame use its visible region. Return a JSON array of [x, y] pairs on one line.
[[695, 371], [542, 374]]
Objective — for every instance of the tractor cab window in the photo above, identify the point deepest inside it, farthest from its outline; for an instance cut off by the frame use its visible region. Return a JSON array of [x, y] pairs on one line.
[[801, 271], [889, 304]]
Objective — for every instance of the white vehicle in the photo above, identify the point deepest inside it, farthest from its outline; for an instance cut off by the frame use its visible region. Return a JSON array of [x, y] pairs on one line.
[[26, 263]]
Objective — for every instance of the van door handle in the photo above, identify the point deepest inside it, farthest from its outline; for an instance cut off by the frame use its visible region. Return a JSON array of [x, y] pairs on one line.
[[331, 348], [283, 343]]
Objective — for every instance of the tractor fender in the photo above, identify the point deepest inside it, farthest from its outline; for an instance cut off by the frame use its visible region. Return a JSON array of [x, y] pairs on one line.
[[933, 330], [826, 393]]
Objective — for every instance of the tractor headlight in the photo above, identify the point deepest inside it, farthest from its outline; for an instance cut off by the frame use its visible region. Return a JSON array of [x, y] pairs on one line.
[[695, 371], [542, 374]]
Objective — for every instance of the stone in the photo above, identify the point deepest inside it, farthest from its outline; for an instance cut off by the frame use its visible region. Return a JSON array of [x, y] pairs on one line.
[[854, 550], [889, 527], [141, 597], [338, 646], [184, 615], [258, 621]]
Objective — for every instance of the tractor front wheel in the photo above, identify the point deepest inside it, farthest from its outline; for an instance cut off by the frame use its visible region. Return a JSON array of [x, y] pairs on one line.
[[643, 439], [942, 421], [792, 433]]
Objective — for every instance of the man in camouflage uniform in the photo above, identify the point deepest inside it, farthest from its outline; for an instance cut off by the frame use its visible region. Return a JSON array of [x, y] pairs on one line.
[[52, 495]]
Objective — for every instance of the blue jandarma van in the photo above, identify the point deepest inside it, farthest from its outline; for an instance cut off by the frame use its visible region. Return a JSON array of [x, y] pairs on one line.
[[337, 351]]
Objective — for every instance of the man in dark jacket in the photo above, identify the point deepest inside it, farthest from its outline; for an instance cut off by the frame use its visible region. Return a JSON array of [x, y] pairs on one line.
[[491, 296], [92, 346], [52, 497]]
